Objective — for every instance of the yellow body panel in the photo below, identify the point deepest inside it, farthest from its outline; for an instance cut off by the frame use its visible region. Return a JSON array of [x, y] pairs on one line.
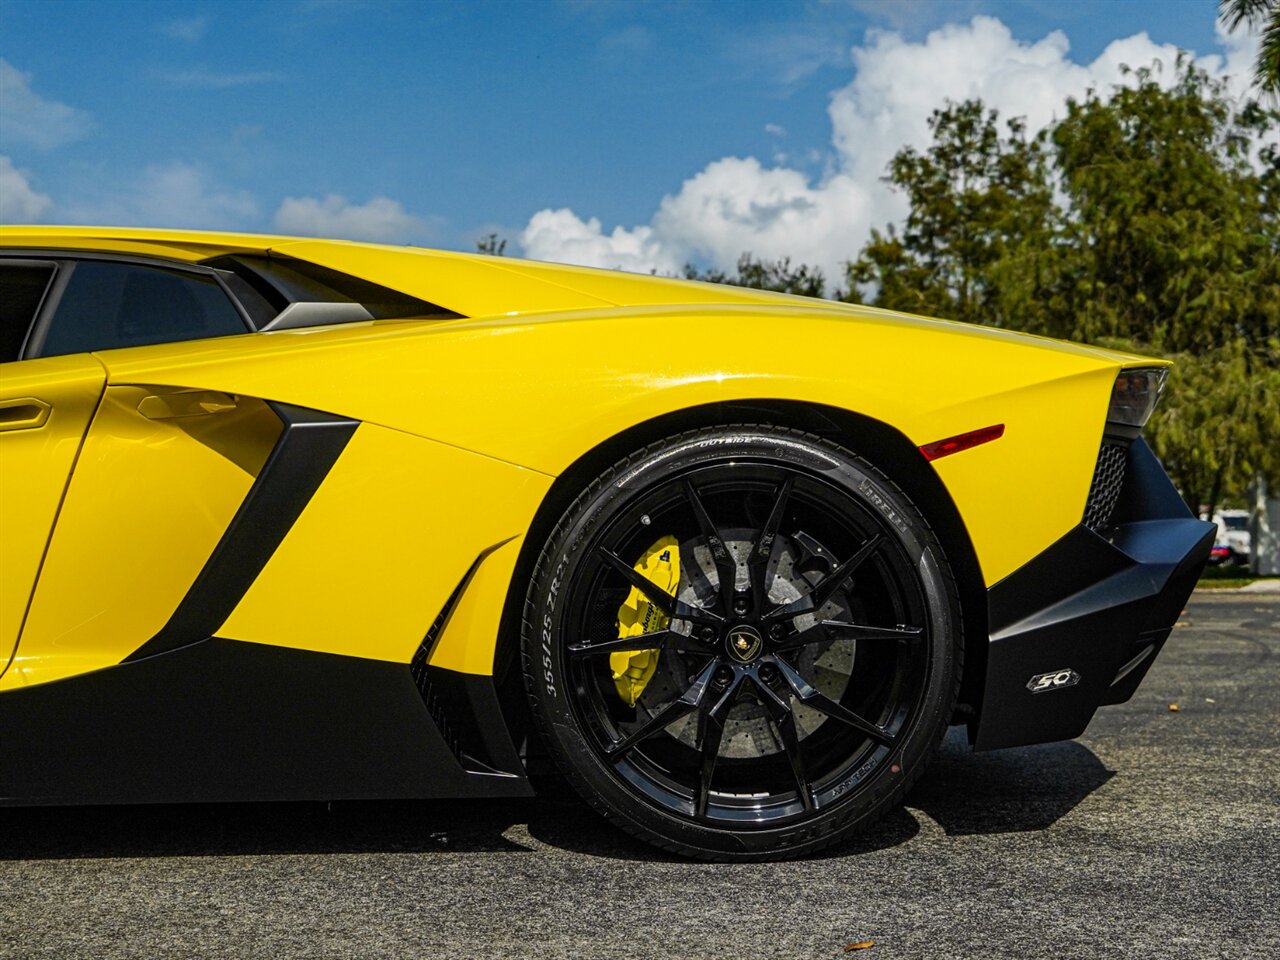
[[468, 284], [146, 506], [45, 407], [542, 391], [465, 423], [382, 544], [483, 286], [174, 244], [466, 640], [1022, 492]]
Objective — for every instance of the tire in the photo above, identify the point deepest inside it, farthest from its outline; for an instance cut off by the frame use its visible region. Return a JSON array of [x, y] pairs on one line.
[[797, 697]]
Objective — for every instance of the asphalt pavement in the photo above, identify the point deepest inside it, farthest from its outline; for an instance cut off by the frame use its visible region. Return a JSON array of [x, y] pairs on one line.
[[1157, 834]]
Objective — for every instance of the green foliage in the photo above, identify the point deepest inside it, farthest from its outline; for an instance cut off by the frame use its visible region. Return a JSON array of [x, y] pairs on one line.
[[759, 274], [1219, 423], [1148, 221], [1171, 241], [981, 204], [1263, 16]]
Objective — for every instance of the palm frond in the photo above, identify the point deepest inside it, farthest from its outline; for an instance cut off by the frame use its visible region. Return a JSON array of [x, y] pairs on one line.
[[1267, 70], [1235, 12]]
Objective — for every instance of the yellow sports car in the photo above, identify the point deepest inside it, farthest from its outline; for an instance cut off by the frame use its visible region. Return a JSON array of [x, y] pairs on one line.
[[286, 518]]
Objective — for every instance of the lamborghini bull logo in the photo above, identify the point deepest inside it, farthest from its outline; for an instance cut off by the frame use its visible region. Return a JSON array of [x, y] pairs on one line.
[[744, 644]]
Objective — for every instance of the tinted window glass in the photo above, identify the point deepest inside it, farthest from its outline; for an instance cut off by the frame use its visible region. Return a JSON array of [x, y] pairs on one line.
[[110, 305], [22, 288]]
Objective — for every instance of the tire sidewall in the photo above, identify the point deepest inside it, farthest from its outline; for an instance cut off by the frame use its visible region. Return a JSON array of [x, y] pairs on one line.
[[550, 683]]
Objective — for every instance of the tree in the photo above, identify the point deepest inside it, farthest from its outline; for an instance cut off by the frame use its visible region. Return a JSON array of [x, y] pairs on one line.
[[981, 206], [1146, 220], [1219, 424], [1166, 216], [1175, 251], [1263, 16], [492, 244], [760, 274]]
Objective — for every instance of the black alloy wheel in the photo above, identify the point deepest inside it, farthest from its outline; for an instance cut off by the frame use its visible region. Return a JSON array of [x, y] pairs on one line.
[[808, 659]]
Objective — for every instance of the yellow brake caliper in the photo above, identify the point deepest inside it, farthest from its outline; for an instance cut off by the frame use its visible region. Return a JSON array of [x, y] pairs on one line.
[[632, 670]]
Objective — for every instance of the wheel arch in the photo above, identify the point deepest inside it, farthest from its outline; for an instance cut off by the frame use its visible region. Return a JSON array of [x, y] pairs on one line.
[[879, 442]]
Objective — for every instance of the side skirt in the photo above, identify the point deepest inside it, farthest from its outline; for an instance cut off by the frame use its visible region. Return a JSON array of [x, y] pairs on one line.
[[225, 720]]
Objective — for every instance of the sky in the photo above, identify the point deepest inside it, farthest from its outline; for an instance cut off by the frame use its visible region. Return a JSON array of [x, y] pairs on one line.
[[639, 135]]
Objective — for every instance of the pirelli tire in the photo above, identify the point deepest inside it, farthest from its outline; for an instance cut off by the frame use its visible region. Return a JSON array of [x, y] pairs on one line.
[[798, 696]]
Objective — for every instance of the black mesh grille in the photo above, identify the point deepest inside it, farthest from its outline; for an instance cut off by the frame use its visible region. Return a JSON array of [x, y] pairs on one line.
[[418, 665], [1108, 477]]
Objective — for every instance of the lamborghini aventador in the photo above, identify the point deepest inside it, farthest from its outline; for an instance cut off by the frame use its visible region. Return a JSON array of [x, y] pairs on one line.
[[290, 519]]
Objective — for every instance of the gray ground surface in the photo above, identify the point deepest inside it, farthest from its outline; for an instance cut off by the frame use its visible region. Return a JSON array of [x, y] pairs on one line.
[[1155, 835]]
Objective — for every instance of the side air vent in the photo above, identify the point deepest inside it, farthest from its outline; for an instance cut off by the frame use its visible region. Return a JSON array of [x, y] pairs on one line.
[[1108, 478], [464, 707], [422, 674], [316, 314], [281, 293]]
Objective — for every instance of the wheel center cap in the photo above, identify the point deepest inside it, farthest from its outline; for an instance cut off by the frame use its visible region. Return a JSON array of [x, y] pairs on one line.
[[744, 644]]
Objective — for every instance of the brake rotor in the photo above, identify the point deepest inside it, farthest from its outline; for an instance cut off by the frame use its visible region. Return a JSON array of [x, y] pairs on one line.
[[798, 563]]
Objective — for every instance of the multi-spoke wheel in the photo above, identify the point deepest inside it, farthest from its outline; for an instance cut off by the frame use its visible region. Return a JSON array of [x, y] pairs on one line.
[[787, 676]]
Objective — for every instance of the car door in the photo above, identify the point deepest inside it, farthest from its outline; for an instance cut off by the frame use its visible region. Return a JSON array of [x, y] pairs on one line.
[[158, 473], [45, 407]]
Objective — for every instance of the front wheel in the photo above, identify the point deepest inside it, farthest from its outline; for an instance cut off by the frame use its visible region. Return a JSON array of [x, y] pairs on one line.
[[742, 643]]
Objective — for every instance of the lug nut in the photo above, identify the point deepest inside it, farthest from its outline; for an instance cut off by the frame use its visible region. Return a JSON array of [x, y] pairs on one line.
[[707, 634], [768, 672], [778, 631], [723, 676], [741, 606]]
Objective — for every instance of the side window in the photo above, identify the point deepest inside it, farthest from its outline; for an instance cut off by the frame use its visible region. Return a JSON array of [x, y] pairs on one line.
[[107, 305], [22, 288]]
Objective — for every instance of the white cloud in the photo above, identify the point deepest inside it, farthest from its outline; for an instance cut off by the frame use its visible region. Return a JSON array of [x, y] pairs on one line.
[[775, 129], [738, 204], [380, 220], [18, 202], [561, 235], [173, 194], [733, 205], [777, 208], [190, 29], [1240, 54], [30, 119], [890, 99]]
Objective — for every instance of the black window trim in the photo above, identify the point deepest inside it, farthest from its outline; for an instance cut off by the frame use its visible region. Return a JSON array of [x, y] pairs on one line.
[[48, 307], [64, 262], [52, 291]]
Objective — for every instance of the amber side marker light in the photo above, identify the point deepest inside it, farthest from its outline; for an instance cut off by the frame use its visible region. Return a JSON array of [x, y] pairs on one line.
[[974, 438]]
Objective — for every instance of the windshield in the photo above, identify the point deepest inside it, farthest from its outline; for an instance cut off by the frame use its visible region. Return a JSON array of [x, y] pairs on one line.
[[1236, 523]]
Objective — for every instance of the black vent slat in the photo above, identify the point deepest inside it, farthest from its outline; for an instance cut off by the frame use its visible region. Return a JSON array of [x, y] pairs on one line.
[[421, 669], [1108, 478]]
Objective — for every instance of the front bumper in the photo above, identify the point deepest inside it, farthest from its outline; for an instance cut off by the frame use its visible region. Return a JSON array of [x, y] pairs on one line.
[[1079, 626]]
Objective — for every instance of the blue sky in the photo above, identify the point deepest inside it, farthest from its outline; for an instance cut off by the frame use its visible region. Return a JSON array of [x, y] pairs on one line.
[[435, 122]]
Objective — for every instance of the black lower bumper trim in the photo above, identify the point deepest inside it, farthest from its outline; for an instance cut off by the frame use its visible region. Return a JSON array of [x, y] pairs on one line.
[[1079, 626]]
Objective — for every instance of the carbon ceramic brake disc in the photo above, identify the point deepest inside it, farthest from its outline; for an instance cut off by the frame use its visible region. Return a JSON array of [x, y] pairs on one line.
[[748, 731]]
